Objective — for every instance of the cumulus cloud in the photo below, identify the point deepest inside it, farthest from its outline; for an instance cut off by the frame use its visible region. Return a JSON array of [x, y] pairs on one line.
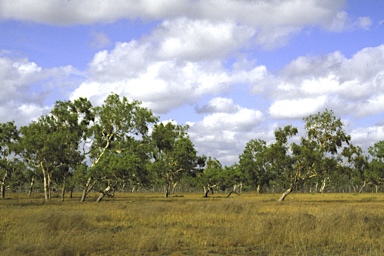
[[219, 104], [297, 108], [25, 88], [347, 85], [367, 136], [164, 79], [269, 23], [225, 131]]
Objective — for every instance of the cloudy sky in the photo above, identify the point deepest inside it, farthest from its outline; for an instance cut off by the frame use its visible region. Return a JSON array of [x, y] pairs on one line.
[[234, 70]]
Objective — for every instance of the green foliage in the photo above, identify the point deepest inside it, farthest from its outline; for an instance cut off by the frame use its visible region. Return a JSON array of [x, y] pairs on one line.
[[110, 145], [52, 143], [376, 166], [255, 164], [174, 153]]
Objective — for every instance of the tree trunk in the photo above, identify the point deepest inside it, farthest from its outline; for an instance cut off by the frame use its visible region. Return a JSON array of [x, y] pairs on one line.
[[174, 188], [2, 190], [102, 194], [63, 190], [285, 194], [31, 187], [45, 179], [233, 190], [3, 185], [206, 192], [362, 187], [86, 190], [323, 185], [167, 190]]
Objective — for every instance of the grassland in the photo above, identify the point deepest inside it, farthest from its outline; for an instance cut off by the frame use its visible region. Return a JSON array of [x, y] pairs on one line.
[[148, 224]]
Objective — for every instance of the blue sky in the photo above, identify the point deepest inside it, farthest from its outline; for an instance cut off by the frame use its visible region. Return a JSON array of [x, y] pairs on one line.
[[232, 70]]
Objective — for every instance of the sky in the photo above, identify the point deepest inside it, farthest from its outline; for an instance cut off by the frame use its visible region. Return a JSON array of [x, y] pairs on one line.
[[233, 70]]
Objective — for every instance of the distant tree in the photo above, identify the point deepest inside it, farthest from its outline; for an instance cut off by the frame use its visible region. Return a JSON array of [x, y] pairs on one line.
[[119, 127], [233, 179], [255, 164], [320, 153], [52, 142], [376, 165], [174, 153], [9, 150], [210, 176], [357, 169]]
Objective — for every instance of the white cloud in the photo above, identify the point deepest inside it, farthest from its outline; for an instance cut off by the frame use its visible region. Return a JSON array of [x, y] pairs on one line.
[[224, 133], [140, 70], [25, 88], [342, 22], [269, 23], [219, 104], [298, 108], [347, 85], [363, 22], [367, 136], [199, 39]]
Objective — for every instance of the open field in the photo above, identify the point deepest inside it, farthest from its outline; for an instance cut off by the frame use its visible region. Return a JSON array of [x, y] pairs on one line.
[[148, 224]]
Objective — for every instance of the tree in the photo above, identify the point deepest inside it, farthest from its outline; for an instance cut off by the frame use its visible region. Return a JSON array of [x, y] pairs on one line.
[[254, 164], [118, 125], [320, 151], [52, 142], [9, 149], [232, 179], [376, 165], [210, 176], [174, 153], [358, 169]]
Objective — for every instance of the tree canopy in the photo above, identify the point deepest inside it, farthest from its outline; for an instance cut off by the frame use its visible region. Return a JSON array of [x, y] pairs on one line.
[[121, 145]]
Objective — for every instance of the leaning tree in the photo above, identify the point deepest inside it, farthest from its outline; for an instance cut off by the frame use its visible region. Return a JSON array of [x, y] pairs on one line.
[[319, 155], [116, 136]]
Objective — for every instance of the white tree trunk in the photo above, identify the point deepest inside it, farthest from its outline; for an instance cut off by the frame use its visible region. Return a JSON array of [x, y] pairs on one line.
[[284, 195], [362, 187], [2, 185], [86, 190], [31, 187], [323, 185], [103, 193], [45, 182]]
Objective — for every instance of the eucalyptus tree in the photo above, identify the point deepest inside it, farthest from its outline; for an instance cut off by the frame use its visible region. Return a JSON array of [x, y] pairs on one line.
[[9, 150], [357, 169], [52, 142], [233, 179], [320, 153], [210, 176], [255, 164], [376, 165], [174, 153], [120, 128]]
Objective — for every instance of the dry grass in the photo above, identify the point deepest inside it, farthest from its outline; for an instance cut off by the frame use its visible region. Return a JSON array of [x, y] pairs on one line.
[[148, 224]]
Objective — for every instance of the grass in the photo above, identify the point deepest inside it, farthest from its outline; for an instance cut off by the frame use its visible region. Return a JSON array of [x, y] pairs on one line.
[[148, 224]]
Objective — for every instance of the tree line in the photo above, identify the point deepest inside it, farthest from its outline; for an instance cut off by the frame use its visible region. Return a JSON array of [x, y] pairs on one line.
[[121, 145]]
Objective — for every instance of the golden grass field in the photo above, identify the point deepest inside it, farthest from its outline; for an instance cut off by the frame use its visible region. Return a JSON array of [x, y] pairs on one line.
[[149, 224]]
